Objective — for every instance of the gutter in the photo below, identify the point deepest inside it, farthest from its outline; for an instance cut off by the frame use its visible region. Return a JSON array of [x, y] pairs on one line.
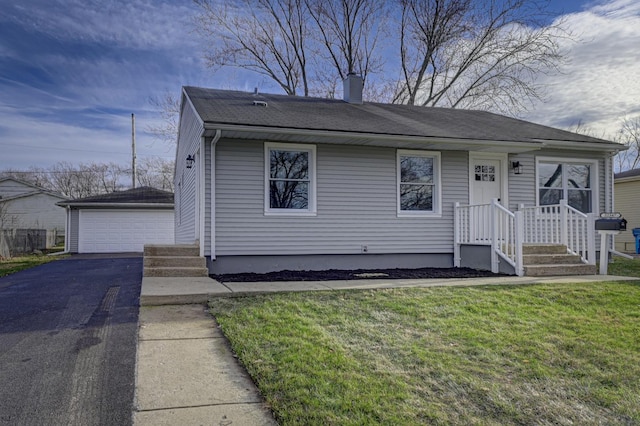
[[377, 136], [612, 147]]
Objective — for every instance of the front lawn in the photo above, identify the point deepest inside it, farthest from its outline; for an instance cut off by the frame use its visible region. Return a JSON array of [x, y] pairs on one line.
[[18, 263], [540, 354], [624, 267]]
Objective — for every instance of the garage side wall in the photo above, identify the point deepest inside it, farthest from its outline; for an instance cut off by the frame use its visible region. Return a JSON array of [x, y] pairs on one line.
[[73, 230], [627, 202], [189, 139]]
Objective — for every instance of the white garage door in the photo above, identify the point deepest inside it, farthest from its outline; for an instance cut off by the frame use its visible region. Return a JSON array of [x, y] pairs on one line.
[[113, 231]]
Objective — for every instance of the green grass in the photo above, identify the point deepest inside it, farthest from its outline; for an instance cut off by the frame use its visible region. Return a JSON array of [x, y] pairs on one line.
[[624, 267], [19, 263], [541, 354]]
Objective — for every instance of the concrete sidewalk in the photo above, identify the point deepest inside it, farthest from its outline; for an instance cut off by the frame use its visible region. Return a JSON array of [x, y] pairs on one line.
[[173, 291], [186, 373]]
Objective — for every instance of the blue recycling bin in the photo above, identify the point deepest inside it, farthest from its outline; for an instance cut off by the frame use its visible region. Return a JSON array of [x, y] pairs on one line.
[[636, 233]]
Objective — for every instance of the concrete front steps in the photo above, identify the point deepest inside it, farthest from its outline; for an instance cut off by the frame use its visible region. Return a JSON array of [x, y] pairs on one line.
[[174, 261], [547, 260]]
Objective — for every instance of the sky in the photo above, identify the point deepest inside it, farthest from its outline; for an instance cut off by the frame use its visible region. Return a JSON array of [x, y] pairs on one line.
[[73, 71]]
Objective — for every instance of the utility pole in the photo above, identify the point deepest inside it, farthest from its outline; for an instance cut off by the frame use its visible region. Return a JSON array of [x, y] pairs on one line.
[[133, 150]]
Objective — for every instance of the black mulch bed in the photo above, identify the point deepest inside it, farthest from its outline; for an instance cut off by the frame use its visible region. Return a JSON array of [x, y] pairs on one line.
[[336, 274]]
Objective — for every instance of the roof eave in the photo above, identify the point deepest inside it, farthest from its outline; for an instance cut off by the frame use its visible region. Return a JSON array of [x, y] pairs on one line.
[[521, 145], [116, 205], [585, 146], [627, 179]]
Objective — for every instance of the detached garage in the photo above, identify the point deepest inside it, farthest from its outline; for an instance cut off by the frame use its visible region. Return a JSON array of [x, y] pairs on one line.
[[122, 221]]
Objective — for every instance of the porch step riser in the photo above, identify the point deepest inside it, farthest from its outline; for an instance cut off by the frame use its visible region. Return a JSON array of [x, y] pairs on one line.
[[171, 250], [557, 270], [176, 272], [551, 259], [171, 261]]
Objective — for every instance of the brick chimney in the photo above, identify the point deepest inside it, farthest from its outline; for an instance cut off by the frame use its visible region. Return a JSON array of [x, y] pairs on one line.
[[352, 89]]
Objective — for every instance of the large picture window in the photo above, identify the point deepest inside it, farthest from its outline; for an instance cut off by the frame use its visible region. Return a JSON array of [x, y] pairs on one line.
[[571, 181], [290, 178], [418, 182]]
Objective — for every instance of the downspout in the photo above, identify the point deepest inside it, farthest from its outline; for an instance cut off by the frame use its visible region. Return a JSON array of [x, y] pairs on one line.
[[214, 142], [201, 195]]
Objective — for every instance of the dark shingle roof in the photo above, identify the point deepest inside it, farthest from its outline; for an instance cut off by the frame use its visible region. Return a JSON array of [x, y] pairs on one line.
[[627, 174], [142, 195], [295, 112]]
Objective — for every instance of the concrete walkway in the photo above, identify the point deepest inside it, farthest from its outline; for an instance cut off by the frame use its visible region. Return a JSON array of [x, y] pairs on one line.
[[173, 291], [186, 373]]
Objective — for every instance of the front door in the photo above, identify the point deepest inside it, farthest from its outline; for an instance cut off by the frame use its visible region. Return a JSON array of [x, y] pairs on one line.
[[486, 179], [486, 182]]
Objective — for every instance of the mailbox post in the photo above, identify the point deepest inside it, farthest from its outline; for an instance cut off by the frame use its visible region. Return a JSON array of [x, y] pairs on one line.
[[608, 224]]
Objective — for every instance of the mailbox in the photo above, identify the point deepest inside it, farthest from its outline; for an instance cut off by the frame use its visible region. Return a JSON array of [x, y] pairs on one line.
[[611, 224]]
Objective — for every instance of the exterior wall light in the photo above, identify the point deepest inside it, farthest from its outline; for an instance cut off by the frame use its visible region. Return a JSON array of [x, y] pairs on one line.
[[190, 161], [517, 167]]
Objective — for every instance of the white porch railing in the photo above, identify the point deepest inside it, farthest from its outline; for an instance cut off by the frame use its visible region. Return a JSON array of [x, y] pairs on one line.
[[561, 224], [506, 231]]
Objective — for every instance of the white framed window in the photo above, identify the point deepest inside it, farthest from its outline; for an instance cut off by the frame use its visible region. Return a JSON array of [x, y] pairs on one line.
[[573, 180], [419, 185], [290, 179]]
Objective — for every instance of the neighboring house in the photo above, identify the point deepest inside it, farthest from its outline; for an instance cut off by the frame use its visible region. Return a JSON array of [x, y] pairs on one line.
[[27, 206], [627, 201], [283, 182], [121, 221]]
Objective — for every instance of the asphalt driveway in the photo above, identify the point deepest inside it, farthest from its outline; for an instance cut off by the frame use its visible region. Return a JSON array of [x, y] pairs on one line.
[[68, 333]]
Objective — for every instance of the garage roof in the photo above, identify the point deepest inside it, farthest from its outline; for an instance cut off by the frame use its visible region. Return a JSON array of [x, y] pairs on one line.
[[137, 197]]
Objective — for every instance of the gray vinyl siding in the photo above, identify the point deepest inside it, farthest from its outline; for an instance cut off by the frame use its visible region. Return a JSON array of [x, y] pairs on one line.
[[189, 136], [522, 188], [356, 205], [74, 231]]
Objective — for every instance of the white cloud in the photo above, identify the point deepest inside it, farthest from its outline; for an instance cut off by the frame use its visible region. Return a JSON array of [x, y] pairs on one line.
[[136, 24], [601, 82], [28, 141]]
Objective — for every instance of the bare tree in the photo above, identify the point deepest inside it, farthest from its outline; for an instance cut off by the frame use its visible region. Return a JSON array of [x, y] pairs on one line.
[[265, 36], [629, 135], [168, 106], [88, 179], [481, 54], [156, 173], [348, 31]]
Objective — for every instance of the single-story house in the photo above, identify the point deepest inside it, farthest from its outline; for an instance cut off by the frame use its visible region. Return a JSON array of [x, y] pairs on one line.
[[27, 206], [271, 182], [627, 202], [121, 221]]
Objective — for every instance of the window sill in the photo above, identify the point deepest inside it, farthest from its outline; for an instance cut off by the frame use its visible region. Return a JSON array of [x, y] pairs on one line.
[[291, 213], [419, 214]]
